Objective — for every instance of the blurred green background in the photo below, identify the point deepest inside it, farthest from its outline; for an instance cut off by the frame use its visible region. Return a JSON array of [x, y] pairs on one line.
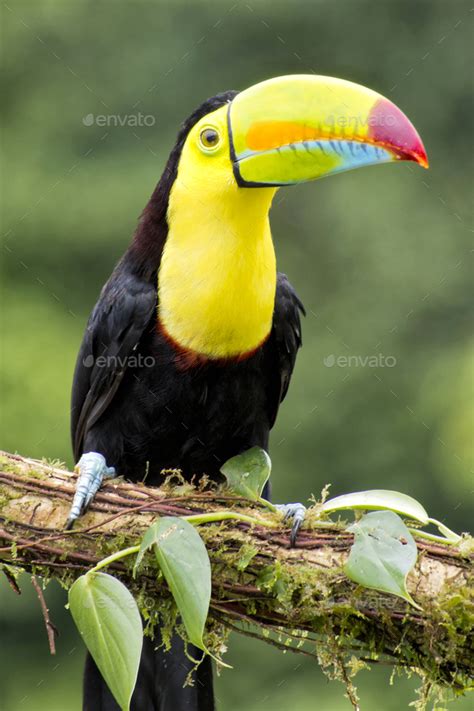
[[379, 257]]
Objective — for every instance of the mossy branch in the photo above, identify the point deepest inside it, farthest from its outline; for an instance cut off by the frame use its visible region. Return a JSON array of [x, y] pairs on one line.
[[296, 598]]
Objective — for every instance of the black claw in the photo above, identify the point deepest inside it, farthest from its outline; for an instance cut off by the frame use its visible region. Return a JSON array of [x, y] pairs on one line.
[[294, 532], [71, 520]]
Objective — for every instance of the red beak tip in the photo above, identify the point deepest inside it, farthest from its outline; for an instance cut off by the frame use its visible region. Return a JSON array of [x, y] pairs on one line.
[[391, 127]]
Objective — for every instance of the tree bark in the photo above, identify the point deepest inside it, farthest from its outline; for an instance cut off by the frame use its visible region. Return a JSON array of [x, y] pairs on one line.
[[296, 598]]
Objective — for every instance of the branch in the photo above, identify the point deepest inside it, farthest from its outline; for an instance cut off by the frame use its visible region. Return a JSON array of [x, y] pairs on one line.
[[296, 598], [51, 630]]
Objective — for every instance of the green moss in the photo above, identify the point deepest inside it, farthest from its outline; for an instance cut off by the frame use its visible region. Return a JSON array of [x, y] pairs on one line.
[[246, 554]]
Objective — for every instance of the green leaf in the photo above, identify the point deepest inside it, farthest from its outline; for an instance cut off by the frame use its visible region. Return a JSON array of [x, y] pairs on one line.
[[247, 473], [383, 554], [107, 617], [379, 499], [184, 562]]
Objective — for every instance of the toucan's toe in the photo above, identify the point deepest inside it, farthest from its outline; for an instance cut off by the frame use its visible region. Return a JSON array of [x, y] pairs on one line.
[[296, 512], [92, 469]]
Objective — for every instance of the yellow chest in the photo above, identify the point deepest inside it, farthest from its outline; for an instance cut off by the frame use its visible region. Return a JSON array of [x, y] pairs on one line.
[[217, 278]]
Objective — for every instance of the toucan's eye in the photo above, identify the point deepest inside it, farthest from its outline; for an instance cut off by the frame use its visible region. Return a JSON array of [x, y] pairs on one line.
[[209, 139]]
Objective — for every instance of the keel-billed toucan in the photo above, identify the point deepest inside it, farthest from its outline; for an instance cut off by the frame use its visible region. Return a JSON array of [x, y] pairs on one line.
[[190, 348]]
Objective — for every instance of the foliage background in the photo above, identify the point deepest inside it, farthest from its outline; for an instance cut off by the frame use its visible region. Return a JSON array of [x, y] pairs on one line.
[[379, 257]]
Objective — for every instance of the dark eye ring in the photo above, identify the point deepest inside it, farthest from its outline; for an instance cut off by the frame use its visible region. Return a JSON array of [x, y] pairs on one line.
[[209, 138]]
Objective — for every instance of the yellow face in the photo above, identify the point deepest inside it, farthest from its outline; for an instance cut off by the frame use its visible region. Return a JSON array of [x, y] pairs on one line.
[[206, 180], [206, 155]]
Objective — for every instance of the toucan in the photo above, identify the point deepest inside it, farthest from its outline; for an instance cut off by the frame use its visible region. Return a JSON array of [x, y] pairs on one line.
[[190, 348]]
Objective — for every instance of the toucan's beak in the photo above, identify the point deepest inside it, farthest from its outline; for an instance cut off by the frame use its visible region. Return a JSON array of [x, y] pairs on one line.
[[301, 127]]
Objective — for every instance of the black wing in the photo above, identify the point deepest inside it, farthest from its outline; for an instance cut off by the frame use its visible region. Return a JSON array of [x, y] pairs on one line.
[[125, 308], [284, 342]]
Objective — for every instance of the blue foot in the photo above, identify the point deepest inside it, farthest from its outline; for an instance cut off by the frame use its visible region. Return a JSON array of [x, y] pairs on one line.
[[92, 469], [296, 512]]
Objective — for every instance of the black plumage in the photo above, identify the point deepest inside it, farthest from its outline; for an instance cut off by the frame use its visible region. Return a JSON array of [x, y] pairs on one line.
[[146, 406]]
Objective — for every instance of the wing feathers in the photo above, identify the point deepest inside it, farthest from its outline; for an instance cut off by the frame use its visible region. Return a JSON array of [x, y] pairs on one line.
[[124, 310], [284, 342]]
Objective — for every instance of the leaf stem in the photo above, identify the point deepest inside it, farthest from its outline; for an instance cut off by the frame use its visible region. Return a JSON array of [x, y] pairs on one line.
[[113, 557], [433, 537], [450, 536], [267, 504], [197, 519]]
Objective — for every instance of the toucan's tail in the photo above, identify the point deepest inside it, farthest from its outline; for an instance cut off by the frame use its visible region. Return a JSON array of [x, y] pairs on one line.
[[160, 683]]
